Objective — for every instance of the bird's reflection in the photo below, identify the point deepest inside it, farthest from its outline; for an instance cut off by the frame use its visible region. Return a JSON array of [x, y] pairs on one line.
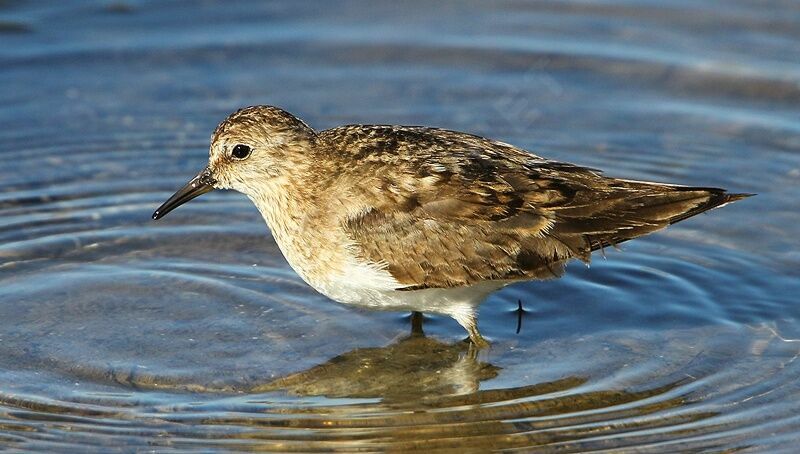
[[429, 396], [414, 366], [420, 393]]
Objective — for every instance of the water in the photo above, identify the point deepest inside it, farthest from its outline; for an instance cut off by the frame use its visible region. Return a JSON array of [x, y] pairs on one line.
[[192, 333]]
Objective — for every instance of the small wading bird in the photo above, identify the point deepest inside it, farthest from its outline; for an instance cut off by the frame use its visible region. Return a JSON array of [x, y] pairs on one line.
[[409, 218]]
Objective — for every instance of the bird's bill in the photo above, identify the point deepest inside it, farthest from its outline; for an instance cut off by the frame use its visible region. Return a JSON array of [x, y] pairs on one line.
[[199, 185]]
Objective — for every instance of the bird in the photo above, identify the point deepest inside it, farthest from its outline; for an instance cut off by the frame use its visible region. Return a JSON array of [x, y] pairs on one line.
[[424, 219]]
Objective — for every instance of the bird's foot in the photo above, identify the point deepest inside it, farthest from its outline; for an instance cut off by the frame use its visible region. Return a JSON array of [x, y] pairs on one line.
[[470, 323], [475, 344], [476, 339]]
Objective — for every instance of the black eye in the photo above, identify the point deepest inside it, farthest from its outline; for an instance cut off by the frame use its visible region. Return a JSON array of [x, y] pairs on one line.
[[240, 151]]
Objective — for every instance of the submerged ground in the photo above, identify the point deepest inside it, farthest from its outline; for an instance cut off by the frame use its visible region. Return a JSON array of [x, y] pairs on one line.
[[117, 332]]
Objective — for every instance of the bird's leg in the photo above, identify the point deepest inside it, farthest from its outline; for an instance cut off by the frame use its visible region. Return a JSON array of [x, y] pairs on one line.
[[470, 323], [416, 324], [475, 337]]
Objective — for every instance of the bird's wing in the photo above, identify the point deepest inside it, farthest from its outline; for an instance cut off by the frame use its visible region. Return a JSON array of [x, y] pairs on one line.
[[441, 209]]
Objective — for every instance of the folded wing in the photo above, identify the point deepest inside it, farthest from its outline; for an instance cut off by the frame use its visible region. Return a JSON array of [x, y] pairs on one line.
[[445, 209]]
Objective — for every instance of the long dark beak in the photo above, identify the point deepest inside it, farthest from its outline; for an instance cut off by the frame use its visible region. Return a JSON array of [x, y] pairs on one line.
[[199, 185]]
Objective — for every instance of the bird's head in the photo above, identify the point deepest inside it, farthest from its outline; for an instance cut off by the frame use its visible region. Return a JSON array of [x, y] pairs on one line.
[[250, 148]]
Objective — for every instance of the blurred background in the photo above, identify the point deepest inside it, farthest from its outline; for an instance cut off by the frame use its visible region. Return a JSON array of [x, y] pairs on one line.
[[193, 332]]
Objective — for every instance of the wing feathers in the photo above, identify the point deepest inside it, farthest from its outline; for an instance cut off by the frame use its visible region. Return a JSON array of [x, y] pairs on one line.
[[441, 214]]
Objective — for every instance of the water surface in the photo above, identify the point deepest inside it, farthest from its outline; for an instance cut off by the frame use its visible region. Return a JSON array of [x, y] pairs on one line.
[[193, 333]]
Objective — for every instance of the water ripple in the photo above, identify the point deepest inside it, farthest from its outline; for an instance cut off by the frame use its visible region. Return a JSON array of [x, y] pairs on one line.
[[120, 334]]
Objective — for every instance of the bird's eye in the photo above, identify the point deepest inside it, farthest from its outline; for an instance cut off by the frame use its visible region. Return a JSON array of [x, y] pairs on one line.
[[240, 151]]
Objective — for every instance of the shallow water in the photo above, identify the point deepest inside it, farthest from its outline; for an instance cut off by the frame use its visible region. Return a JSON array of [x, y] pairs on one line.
[[189, 333]]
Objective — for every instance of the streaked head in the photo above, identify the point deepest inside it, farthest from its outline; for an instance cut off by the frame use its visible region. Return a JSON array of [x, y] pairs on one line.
[[248, 149]]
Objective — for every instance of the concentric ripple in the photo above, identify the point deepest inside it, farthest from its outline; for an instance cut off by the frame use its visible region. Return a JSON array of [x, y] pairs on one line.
[[420, 393], [118, 333]]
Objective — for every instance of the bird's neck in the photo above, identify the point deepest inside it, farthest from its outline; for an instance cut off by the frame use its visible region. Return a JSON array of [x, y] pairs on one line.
[[295, 213]]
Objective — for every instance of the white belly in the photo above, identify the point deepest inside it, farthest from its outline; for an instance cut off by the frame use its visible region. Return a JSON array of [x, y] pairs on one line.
[[447, 301], [335, 271]]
